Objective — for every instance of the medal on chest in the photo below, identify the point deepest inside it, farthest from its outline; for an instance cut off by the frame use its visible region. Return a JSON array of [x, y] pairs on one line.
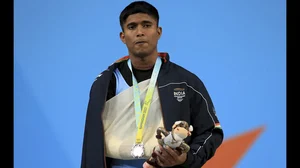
[[137, 150]]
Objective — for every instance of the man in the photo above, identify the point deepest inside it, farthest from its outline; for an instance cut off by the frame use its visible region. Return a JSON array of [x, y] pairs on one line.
[[126, 108]]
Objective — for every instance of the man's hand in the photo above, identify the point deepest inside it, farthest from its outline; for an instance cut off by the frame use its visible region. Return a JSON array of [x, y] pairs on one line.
[[169, 157]]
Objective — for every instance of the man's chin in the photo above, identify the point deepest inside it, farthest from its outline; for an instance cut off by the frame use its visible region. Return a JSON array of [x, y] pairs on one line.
[[141, 54]]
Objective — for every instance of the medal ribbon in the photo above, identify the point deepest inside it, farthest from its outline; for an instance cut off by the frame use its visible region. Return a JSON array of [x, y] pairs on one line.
[[141, 114]]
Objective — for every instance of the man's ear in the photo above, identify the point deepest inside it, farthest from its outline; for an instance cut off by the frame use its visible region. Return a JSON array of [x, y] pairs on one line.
[[159, 31], [122, 37]]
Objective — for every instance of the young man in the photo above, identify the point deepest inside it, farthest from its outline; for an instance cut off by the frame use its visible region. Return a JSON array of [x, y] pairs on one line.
[[126, 108]]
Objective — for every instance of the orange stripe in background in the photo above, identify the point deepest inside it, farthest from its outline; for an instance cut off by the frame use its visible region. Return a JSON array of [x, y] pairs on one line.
[[233, 149]]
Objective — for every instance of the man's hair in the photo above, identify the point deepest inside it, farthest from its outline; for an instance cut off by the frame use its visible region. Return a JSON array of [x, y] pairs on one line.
[[138, 7]]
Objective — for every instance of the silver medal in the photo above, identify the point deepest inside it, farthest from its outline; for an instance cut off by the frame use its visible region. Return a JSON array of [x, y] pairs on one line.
[[137, 150]]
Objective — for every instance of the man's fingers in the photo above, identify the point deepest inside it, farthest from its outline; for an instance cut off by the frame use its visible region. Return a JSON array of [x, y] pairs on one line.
[[171, 152], [164, 154], [160, 159], [159, 162]]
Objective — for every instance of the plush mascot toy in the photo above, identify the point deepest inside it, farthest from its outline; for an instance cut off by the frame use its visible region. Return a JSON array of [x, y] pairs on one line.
[[173, 139]]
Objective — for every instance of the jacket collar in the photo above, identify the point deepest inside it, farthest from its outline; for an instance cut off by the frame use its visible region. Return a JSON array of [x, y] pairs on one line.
[[164, 55]]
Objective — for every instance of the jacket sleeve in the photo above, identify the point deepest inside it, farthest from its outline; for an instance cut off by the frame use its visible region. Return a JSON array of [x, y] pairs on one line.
[[92, 146], [88, 122], [207, 134]]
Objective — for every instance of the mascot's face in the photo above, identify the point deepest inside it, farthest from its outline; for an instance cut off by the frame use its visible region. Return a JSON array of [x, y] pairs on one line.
[[182, 129], [181, 132]]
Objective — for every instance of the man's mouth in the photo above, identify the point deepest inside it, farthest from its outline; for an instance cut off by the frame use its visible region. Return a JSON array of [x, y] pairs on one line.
[[140, 42]]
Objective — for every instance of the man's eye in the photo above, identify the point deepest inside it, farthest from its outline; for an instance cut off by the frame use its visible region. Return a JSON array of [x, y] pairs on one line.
[[147, 25], [130, 27]]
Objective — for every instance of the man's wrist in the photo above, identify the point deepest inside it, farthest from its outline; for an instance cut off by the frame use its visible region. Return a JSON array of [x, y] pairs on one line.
[[185, 163]]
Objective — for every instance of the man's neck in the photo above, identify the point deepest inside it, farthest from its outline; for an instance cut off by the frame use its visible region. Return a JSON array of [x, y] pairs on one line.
[[144, 63]]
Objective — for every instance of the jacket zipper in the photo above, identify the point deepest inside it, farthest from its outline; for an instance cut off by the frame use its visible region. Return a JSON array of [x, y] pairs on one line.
[[162, 114]]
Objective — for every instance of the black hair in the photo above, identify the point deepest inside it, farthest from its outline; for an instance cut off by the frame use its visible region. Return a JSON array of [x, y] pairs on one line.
[[138, 7]]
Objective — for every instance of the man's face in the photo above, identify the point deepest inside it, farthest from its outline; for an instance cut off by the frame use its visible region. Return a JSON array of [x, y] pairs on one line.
[[140, 34]]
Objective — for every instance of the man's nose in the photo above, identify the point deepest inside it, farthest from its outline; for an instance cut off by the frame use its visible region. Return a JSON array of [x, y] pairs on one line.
[[140, 31]]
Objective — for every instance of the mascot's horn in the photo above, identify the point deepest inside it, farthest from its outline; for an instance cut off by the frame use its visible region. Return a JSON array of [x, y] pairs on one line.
[[177, 122], [191, 128]]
